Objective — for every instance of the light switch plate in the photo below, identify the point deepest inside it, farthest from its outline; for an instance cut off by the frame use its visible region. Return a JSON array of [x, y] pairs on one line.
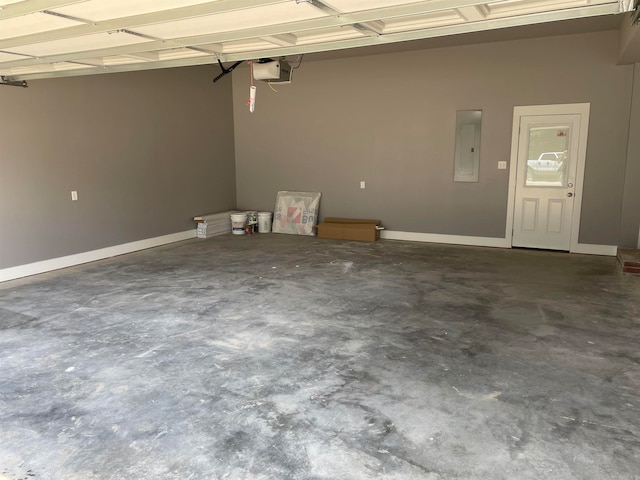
[[502, 165]]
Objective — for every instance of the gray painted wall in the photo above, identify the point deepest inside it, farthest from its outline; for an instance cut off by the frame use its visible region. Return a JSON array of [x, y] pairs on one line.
[[390, 119], [146, 152], [631, 206]]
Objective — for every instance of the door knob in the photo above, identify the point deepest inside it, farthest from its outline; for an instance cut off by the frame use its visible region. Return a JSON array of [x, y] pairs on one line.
[[569, 194], [570, 185]]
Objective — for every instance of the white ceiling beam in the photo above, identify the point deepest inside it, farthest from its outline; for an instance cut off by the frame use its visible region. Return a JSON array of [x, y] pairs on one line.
[[406, 10], [145, 56], [375, 26], [284, 40], [472, 13], [320, 6], [372, 28], [249, 33], [134, 21], [96, 62], [364, 29], [26, 7], [43, 70], [434, 32], [583, 12], [135, 48], [211, 48]]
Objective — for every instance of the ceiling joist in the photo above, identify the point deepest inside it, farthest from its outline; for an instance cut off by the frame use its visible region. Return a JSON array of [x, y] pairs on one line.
[[134, 21], [243, 29], [19, 9]]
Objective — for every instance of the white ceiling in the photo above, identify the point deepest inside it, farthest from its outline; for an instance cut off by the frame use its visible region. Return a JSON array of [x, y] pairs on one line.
[[52, 38]]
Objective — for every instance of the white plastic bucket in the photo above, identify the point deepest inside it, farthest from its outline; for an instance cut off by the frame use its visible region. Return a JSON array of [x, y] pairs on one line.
[[264, 222], [238, 221]]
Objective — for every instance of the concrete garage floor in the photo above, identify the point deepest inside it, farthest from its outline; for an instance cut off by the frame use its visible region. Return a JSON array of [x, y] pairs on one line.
[[283, 357]]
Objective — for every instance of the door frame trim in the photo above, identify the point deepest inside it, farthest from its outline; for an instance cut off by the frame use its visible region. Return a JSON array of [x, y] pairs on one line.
[[581, 109]]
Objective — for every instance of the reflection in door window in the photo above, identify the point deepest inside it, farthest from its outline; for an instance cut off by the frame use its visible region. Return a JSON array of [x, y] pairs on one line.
[[548, 156]]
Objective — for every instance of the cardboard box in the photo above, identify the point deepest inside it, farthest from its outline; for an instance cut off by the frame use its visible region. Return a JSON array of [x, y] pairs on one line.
[[351, 220], [350, 229]]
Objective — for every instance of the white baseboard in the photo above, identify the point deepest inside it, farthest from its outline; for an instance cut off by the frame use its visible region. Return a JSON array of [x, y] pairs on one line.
[[582, 248], [451, 239], [589, 249], [77, 259], [35, 268]]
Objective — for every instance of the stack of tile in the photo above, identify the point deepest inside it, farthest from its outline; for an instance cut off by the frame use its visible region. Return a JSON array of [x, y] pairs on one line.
[[213, 224]]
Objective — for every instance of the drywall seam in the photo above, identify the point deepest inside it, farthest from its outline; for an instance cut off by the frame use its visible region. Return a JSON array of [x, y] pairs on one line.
[[91, 256], [583, 248]]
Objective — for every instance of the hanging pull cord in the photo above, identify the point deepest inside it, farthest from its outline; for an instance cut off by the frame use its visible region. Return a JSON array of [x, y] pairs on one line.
[[252, 90]]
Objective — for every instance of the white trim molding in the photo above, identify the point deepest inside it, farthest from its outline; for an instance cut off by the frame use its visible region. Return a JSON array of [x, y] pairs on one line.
[[35, 268], [581, 248], [590, 249], [450, 239], [44, 266]]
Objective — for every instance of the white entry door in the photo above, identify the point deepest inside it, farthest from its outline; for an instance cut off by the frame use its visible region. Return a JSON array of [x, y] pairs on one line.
[[546, 177]]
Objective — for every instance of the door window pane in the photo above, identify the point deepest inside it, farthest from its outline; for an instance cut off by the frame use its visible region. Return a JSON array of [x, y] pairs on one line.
[[548, 156]]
